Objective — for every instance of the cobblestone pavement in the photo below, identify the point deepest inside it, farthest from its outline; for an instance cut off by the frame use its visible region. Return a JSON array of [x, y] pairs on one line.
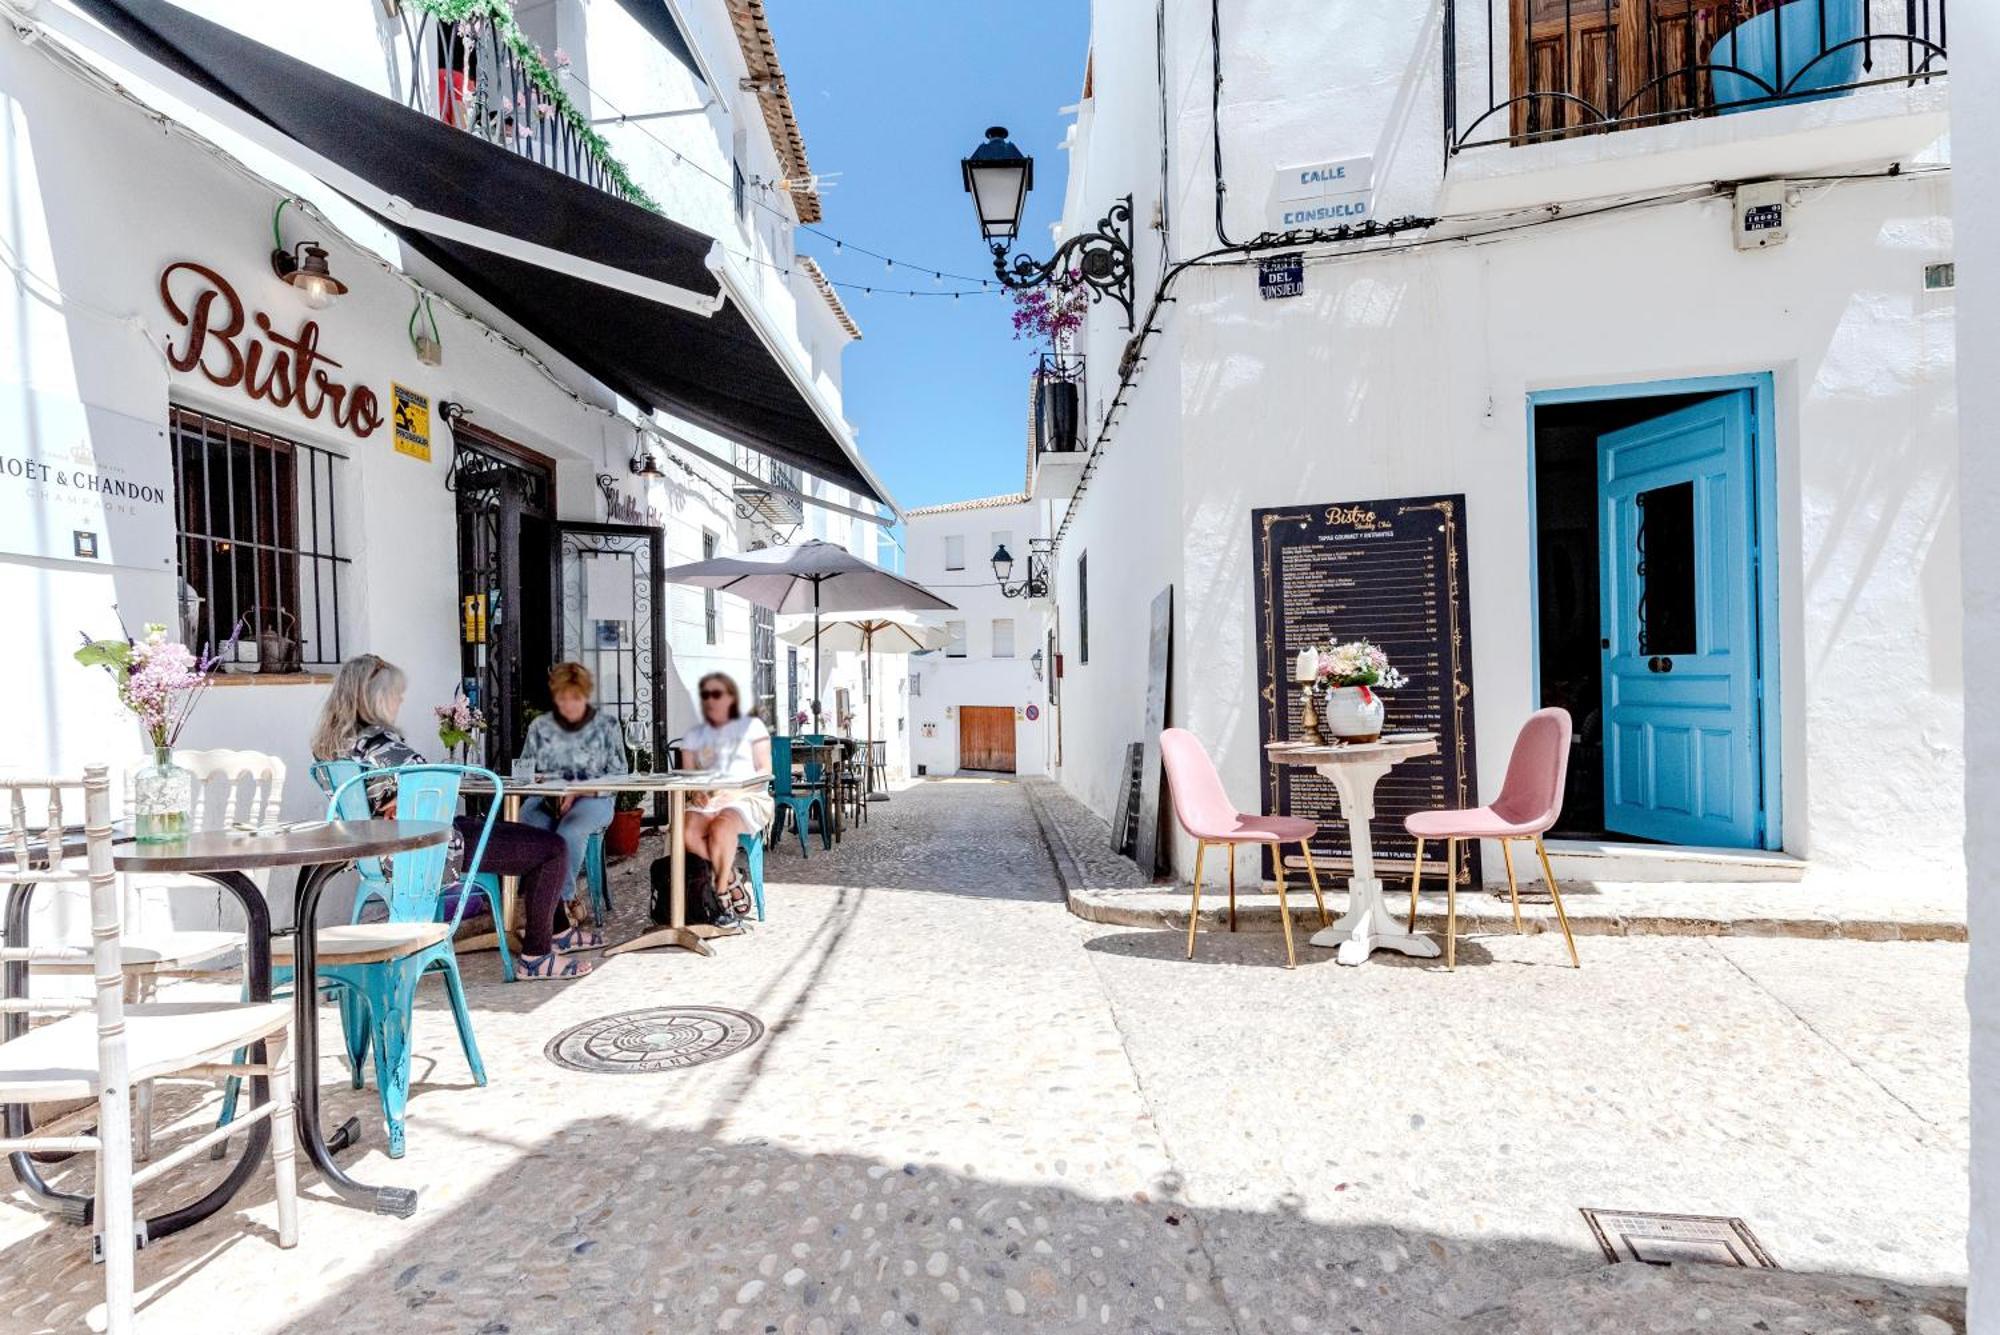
[[971, 1112]]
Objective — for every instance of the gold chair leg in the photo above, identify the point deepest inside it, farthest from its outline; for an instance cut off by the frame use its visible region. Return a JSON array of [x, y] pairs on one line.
[[1451, 903], [1284, 910], [1561, 917], [1313, 873], [1416, 876], [1513, 891], [1232, 887], [1194, 909]]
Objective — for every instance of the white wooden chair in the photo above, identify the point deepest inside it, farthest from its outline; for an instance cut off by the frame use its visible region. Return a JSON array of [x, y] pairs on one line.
[[81, 1058], [229, 786]]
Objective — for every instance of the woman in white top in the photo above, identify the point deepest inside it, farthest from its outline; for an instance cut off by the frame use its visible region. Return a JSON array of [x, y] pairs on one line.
[[737, 745]]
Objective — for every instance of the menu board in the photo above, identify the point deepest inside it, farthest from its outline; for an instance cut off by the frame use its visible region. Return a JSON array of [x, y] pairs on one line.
[[1393, 572]]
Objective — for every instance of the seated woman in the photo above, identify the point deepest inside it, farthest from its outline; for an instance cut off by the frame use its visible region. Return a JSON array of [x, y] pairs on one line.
[[739, 746], [576, 741], [358, 723]]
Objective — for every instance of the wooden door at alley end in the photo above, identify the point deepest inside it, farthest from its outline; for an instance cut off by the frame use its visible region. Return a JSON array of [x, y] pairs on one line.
[[986, 738]]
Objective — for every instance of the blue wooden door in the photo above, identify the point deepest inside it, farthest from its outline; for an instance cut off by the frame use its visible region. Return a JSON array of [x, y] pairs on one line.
[[1678, 586]]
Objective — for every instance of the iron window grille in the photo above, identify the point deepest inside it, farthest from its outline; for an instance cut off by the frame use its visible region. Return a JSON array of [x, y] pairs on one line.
[[1528, 71], [256, 519]]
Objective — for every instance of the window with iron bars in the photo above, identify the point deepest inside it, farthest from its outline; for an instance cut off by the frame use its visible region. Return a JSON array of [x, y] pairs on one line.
[[710, 611], [257, 534]]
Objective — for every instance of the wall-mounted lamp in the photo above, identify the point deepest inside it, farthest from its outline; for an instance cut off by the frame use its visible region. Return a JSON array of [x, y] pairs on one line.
[[1037, 660], [645, 465], [1036, 585], [999, 176], [304, 266]]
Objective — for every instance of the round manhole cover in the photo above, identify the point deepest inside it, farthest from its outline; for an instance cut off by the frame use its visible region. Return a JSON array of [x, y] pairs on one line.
[[660, 1038]]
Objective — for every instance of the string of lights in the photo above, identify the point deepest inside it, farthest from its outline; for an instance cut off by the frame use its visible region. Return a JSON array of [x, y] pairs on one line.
[[841, 245]]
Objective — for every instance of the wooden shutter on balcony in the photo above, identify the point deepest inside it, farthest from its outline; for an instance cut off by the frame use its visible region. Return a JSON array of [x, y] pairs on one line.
[[1578, 64]]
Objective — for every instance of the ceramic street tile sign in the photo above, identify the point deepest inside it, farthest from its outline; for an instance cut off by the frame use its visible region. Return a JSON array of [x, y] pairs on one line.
[[1281, 276], [1329, 194], [1390, 571], [83, 483]]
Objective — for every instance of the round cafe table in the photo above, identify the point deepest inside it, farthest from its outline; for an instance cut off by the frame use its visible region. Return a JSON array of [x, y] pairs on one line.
[[1354, 770], [318, 849]]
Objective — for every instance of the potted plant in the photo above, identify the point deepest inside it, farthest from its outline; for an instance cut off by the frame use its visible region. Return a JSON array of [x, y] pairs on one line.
[[621, 838], [1348, 676], [159, 680]]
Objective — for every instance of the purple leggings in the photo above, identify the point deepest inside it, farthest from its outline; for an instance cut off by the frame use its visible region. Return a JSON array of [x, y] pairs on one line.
[[539, 857]]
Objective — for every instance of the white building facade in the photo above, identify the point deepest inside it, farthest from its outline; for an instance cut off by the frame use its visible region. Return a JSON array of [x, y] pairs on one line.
[[982, 702], [1584, 272], [455, 494]]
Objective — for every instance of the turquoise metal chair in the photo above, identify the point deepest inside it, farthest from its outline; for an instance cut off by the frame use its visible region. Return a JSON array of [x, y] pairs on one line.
[[332, 776], [378, 999], [798, 805], [752, 844], [594, 877]]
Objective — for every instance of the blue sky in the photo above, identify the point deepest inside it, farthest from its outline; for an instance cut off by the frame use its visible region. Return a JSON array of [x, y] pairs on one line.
[[891, 94]]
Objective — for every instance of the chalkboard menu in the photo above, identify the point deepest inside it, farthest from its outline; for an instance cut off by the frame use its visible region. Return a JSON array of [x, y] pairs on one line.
[[1393, 572]]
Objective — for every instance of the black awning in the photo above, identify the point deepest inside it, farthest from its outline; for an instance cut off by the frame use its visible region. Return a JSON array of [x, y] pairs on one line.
[[479, 200], [658, 20]]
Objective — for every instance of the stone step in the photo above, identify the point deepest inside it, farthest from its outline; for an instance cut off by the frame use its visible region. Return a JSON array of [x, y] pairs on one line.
[[1642, 909]]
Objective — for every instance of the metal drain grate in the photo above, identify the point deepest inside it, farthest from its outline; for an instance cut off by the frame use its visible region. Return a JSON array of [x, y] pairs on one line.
[[1669, 1239], [659, 1038]]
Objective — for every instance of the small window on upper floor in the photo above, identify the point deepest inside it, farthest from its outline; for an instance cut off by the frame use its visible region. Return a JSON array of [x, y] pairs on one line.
[[1003, 637], [954, 646], [954, 551]]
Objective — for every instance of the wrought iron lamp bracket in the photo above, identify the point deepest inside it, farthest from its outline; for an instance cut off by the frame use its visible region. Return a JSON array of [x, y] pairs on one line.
[[1036, 582], [1102, 259]]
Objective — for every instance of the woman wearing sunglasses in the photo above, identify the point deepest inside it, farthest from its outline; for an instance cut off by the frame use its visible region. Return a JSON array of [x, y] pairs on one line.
[[738, 746]]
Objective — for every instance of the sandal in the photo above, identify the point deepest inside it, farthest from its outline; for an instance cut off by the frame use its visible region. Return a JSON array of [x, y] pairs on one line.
[[550, 967], [577, 940]]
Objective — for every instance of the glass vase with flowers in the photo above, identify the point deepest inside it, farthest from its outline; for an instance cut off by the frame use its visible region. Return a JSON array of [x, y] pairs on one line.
[[160, 681]]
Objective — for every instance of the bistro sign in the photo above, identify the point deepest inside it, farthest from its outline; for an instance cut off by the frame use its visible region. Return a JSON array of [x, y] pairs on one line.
[[285, 371]]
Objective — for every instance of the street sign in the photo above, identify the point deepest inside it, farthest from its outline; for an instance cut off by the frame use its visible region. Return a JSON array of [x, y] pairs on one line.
[[1281, 276]]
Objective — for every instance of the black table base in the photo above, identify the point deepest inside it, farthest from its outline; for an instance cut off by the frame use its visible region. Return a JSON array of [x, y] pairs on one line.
[[400, 1202]]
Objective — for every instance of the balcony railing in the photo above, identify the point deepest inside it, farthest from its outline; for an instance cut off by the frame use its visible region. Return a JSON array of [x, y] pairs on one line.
[[482, 75], [1526, 71]]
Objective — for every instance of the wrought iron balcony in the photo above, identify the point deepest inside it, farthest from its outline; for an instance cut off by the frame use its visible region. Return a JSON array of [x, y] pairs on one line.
[[484, 76], [1058, 404], [1526, 71]]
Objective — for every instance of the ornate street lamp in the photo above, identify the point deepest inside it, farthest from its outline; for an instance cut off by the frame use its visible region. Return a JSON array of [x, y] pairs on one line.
[[998, 176], [1036, 585]]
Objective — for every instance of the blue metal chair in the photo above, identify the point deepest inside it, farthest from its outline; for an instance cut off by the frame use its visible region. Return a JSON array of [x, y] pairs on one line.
[[594, 877], [378, 999], [752, 844], [333, 776], [798, 805]]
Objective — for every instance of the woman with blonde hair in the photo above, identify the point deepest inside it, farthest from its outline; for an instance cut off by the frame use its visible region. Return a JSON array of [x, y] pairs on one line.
[[358, 722], [738, 745], [575, 740]]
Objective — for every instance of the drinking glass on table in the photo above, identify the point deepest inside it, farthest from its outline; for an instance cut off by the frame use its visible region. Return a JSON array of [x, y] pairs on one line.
[[638, 738]]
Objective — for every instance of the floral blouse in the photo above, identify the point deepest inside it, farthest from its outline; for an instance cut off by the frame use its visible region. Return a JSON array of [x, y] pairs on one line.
[[590, 750]]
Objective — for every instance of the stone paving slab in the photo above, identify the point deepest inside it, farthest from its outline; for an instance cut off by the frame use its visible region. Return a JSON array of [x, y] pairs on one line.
[[1102, 887], [972, 1111]]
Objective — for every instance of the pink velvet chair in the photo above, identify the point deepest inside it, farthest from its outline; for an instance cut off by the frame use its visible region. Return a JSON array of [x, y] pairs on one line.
[[1529, 803], [1204, 811]]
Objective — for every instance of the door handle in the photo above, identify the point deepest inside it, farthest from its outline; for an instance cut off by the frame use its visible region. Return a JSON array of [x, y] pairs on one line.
[[1659, 664]]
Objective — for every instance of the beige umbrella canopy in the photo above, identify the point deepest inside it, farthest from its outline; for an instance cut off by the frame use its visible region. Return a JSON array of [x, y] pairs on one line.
[[869, 633]]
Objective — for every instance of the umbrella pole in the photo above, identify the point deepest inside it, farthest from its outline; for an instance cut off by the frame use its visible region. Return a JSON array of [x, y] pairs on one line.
[[817, 726], [868, 750]]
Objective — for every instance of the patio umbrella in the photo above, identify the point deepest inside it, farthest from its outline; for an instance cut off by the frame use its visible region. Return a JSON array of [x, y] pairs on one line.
[[813, 577], [888, 632]]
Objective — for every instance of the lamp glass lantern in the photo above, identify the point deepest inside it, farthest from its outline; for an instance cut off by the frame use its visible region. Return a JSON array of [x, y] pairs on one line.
[[305, 267], [1003, 564], [998, 176]]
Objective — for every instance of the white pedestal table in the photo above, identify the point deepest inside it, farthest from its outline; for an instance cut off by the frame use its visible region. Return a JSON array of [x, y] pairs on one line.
[[1354, 770]]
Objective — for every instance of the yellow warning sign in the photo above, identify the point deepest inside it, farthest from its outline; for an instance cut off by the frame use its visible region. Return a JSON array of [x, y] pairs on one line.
[[413, 422]]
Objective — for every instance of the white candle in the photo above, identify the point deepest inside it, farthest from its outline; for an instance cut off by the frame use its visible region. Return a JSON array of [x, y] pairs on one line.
[[1307, 667]]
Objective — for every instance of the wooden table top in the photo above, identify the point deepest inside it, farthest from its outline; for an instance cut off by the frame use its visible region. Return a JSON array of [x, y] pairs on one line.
[[309, 845], [1393, 747]]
